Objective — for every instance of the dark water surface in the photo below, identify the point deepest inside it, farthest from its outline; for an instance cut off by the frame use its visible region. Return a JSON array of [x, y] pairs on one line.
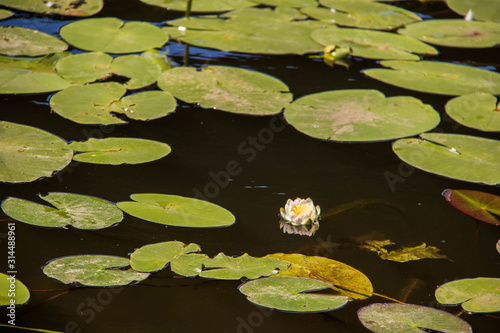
[[272, 169]]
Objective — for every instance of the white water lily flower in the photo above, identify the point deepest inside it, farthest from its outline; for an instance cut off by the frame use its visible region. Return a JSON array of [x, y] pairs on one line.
[[300, 211]]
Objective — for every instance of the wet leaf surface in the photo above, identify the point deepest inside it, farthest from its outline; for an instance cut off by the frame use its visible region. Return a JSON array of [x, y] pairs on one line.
[[406, 253]]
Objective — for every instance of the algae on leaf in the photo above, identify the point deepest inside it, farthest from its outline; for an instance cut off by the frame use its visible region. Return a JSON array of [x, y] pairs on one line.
[[18, 41], [406, 253]]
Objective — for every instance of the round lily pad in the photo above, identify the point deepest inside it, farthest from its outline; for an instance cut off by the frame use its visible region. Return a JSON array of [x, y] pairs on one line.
[[288, 3], [59, 7], [112, 35], [211, 6], [153, 257], [480, 205], [93, 270], [28, 153], [175, 210], [12, 291], [482, 10], [84, 67], [360, 115], [476, 110], [410, 318], [455, 32], [227, 88], [142, 71], [457, 156], [18, 41]]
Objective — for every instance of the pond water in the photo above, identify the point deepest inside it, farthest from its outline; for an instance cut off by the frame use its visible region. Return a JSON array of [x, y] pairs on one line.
[[276, 162]]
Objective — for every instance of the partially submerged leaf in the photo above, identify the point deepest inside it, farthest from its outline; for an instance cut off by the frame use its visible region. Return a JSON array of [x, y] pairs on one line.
[[56, 7], [76, 210], [93, 270], [12, 291], [201, 5], [408, 318], [406, 253], [480, 205], [175, 210], [18, 41], [153, 257], [477, 295], [477, 110], [288, 293]]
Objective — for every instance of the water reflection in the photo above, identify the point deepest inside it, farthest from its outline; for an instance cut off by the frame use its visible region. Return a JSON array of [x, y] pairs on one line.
[[303, 230]]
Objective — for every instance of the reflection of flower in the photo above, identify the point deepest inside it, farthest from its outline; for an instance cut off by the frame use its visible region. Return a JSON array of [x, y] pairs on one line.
[[300, 212], [306, 230]]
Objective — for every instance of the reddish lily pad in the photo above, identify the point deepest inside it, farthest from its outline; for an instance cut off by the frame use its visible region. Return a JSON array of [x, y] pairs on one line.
[[480, 205]]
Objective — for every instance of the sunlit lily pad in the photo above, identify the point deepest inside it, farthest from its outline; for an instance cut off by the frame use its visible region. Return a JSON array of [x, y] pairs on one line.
[[482, 10], [28, 153], [112, 35], [362, 14], [288, 3], [76, 210], [153, 257], [360, 115], [84, 67], [455, 32], [98, 103], [437, 77], [212, 6], [345, 280], [141, 70], [476, 295], [462, 157], [373, 44], [21, 75], [175, 210], [119, 150], [59, 7], [290, 294], [19, 294], [476, 110], [480, 205], [227, 88], [406, 253], [4, 14], [408, 318], [93, 270], [18, 41]]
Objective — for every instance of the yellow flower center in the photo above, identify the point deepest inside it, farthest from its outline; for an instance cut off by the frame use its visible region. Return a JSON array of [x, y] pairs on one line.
[[300, 209]]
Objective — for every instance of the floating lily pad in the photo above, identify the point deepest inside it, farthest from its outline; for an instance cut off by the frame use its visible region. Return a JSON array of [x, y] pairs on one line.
[[175, 210], [227, 88], [498, 246], [480, 205], [476, 295], [457, 156], [408, 318], [19, 294], [84, 67], [93, 270], [406, 253], [4, 14], [189, 265], [212, 6], [290, 294], [21, 75], [362, 14], [141, 70], [372, 44], [229, 268], [437, 77], [482, 10], [476, 110], [112, 35], [455, 32], [345, 280], [153, 257], [98, 103], [59, 7], [119, 150], [77, 210], [360, 115], [18, 41], [288, 3], [28, 153]]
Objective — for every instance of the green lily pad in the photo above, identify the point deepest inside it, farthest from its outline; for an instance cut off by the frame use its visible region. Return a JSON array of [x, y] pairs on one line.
[[175, 210], [406, 253], [98, 103], [372, 44], [12, 290], [76, 210], [189, 265], [480, 205], [410, 318], [362, 14], [229, 268], [119, 151], [455, 32], [482, 10], [211, 6], [476, 295], [288, 3], [141, 70], [112, 35], [437, 77], [457, 156], [93, 270], [227, 88], [18, 41], [28, 153], [498, 246], [290, 294], [84, 67], [59, 7], [476, 110], [153, 257], [4, 14], [21, 75], [360, 115]]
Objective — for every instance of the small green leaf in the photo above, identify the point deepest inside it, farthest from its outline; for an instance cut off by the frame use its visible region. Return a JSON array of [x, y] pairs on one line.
[[480, 205], [477, 110], [59, 7], [18, 41], [406, 253], [153, 257], [12, 291]]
